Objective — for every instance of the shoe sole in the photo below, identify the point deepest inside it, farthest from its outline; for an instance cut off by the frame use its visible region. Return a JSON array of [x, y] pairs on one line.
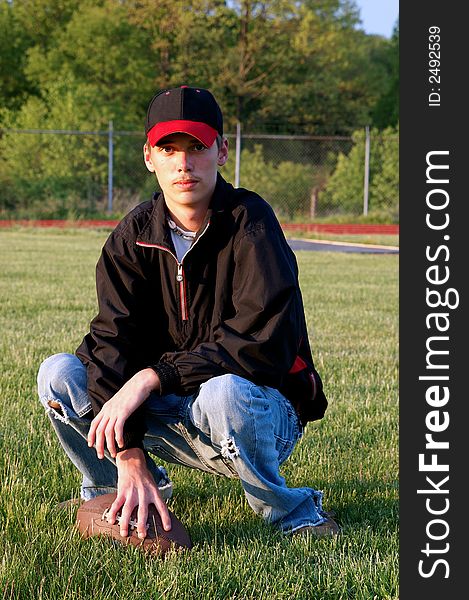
[[328, 529]]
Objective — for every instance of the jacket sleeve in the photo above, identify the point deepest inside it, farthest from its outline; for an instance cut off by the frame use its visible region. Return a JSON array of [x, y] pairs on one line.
[[259, 340], [110, 351]]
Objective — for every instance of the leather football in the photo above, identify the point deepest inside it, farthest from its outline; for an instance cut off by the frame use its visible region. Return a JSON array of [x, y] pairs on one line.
[[91, 521]]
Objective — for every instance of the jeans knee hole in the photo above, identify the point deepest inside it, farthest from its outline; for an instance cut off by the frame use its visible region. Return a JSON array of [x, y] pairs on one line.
[[56, 407], [229, 449]]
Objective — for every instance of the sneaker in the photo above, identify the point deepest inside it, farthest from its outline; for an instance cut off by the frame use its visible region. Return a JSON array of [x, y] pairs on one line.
[[327, 529], [165, 485]]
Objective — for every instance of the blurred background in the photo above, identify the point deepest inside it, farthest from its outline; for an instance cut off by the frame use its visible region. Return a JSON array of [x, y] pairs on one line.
[[309, 95]]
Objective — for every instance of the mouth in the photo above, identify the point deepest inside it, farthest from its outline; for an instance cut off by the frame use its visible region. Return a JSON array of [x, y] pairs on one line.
[[186, 184]]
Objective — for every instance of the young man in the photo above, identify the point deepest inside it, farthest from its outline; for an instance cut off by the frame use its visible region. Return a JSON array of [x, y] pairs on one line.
[[199, 353]]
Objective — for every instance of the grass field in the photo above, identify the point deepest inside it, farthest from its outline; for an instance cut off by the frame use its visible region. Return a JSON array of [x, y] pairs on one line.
[[47, 299]]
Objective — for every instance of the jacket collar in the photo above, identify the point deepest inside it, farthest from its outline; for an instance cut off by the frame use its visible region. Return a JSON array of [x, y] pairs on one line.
[[156, 231]]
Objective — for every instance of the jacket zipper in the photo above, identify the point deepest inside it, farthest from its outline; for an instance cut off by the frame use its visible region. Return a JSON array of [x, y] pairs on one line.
[[180, 278], [182, 291]]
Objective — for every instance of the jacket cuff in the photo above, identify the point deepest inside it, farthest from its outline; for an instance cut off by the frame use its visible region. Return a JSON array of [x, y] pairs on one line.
[[168, 375], [134, 432], [131, 440]]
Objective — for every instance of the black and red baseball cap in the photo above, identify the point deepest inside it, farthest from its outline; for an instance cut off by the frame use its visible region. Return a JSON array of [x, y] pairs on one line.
[[184, 110]]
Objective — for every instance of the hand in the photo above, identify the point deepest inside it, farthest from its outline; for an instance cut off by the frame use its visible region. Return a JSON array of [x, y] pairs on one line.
[[136, 486], [108, 425]]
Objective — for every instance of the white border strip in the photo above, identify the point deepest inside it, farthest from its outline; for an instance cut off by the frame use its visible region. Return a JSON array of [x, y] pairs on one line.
[[334, 243]]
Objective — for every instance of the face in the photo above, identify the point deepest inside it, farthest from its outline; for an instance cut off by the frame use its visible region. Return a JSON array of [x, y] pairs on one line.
[[186, 169]]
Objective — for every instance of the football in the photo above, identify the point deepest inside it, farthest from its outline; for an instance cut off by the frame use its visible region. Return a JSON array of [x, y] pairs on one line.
[[91, 521]]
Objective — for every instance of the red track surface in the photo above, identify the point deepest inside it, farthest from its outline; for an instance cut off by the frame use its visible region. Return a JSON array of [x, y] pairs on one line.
[[343, 228]]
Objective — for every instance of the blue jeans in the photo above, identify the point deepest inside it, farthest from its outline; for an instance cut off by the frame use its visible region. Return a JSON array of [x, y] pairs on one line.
[[230, 427]]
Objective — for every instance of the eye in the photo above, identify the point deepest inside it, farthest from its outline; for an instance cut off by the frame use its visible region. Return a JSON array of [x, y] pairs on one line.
[[165, 149], [199, 147]]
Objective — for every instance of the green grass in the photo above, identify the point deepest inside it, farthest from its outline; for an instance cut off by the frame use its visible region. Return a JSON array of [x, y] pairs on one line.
[[47, 299]]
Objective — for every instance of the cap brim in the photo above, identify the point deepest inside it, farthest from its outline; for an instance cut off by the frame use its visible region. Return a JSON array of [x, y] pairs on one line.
[[201, 131]]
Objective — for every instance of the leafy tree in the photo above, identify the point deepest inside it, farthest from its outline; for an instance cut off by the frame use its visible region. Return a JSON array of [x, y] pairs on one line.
[[329, 84], [14, 44], [100, 49], [344, 190], [270, 63], [253, 57], [386, 110], [232, 47], [184, 38], [41, 19]]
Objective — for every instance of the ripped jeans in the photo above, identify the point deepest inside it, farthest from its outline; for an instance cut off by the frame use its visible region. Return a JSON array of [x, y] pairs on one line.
[[230, 427]]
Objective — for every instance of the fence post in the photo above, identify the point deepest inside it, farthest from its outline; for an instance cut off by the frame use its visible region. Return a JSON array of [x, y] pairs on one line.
[[110, 166], [238, 154], [367, 170]]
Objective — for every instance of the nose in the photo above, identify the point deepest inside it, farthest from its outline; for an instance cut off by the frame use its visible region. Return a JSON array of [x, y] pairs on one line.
[[184, 161]]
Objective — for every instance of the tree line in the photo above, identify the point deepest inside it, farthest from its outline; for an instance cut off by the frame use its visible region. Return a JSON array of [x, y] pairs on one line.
[[278, 66]]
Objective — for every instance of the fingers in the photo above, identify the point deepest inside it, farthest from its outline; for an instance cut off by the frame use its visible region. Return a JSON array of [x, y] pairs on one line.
[[125, 518], [162, 509], [142, 515], [110, 438], [142, 520], [108, 425], [119, 433], [114, 509], [91, 438], [105, 431], [97, 434], [126, 508]]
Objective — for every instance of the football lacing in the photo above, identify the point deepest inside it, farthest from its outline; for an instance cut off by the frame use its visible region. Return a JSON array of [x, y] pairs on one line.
[[132, 523]]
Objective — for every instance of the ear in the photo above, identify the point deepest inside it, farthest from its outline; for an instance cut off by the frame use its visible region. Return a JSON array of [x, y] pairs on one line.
[[223, 153], [147, 158]]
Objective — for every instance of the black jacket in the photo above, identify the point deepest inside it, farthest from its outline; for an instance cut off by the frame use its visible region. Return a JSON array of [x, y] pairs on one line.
[[232, 306]]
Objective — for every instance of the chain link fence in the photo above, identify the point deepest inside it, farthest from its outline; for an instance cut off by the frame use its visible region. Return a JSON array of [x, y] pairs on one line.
[[71, 174]]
